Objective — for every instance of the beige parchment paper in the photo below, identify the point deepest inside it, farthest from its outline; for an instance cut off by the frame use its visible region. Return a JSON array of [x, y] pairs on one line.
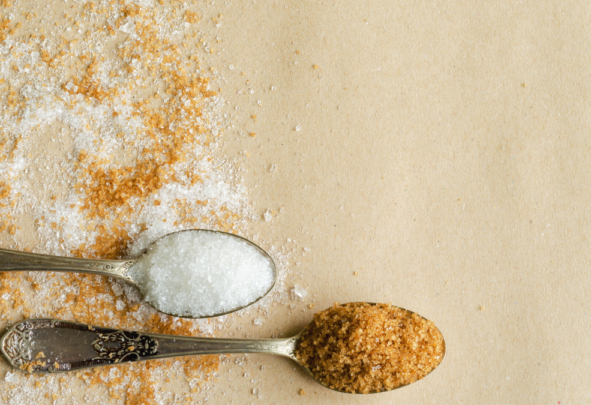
[[441, 149]]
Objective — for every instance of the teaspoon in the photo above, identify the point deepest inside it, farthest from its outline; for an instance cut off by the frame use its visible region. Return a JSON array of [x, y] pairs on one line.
[[11, 260], [53, 346]]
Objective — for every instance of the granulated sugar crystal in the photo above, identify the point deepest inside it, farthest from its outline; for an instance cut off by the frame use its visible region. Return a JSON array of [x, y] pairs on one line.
[[202, 273]]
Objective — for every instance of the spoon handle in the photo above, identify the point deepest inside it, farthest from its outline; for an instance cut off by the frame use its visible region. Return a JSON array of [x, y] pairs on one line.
[[11, 260], [50, 346]]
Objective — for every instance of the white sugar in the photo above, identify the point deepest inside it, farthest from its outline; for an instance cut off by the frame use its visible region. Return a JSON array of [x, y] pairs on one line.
[[201, 273], [128, 27], [11, 377], [120, 305], [299, 292]]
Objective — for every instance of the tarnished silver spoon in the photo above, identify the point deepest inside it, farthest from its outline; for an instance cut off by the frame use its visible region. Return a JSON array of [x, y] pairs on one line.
[[11, 260], [53, 346]]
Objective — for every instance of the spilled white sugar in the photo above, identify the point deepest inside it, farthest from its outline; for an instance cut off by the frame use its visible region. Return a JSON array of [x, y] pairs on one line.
[[202, 273], [299, 292]]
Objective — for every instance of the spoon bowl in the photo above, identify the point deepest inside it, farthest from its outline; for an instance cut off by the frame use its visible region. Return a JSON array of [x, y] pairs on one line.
[[53, 346], [11, 260]]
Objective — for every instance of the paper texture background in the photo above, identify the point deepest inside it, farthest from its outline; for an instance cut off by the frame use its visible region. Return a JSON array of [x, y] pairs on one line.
[[444, 155]]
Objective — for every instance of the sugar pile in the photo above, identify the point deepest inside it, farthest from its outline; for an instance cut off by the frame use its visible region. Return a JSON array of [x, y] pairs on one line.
[[202, 273], [364, 348]]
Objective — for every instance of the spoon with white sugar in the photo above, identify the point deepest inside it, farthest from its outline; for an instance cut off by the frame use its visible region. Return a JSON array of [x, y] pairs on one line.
[[194, 273]]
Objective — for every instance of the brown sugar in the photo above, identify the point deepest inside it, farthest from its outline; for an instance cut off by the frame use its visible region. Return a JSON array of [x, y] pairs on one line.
[[365, 348]]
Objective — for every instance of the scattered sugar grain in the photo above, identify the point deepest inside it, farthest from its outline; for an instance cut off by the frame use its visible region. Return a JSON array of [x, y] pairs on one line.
[[299, 292], [11, 377], [128, 27], [120, 305]]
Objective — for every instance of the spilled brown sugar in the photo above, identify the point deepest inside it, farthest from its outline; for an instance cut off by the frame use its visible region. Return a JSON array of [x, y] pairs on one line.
[[365, 348], [108, 138]]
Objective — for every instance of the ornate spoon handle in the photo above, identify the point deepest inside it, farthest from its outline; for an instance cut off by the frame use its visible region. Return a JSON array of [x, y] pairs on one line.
[[50, 346], [11, 260]]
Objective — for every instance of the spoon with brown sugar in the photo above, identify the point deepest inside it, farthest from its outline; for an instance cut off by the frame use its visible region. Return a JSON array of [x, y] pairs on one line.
[[354, 348]]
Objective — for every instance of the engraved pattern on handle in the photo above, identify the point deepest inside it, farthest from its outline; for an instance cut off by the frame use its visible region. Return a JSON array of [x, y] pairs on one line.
[[18, 346], [17, 342], [11, 260], [131, 346]]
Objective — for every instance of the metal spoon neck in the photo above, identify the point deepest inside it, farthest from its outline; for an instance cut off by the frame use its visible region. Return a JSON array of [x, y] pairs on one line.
[[169, 346], [11, 260]]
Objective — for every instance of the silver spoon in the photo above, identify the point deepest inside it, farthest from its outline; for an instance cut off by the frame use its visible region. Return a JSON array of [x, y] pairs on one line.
[[11, 260], [53, 346]]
